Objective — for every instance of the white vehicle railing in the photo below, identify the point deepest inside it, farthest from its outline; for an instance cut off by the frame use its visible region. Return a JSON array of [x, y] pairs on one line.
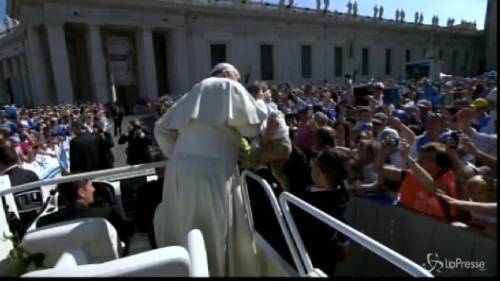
[[277, 212], [113, 174], [386, 253]]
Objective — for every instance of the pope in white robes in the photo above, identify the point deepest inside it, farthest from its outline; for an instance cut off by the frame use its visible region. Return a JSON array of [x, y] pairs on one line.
[[200, 135]]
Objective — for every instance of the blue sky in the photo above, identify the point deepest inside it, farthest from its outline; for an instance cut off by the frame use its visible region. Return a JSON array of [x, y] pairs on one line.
[[469, 10]]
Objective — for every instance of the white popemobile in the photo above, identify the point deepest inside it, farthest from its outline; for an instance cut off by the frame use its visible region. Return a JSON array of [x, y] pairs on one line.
[[90, 247]]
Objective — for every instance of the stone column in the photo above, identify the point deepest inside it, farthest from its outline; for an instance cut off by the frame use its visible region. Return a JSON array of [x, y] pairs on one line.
[[97, 65], [37, 70], [324, 60], [377, 60], [352, 62], [7, 74], [147, 66], [283, 57], [26, 81], [17, 82], [5, 70], [238, 54], [60, 63], [3, 89], [179, 61]]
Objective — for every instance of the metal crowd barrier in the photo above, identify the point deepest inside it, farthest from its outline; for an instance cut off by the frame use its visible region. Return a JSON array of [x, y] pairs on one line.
[[386, 253]]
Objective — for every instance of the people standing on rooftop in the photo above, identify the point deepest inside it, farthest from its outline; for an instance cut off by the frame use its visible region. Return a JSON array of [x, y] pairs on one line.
[[349, 7]]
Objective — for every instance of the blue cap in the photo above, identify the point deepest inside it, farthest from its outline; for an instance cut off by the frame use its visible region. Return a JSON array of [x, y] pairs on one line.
[[11, 111], [402, 115], [331, 113]]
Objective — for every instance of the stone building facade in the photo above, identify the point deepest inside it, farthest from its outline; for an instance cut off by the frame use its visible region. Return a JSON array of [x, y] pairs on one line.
[[490, 30], [106, 50]]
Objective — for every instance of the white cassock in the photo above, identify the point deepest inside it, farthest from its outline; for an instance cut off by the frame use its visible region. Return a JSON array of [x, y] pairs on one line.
[[201, 134]]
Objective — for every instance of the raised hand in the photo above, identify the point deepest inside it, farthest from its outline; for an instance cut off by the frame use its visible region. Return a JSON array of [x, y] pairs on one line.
[[404, 149], [465, 116], [394, 122], [467, 145]]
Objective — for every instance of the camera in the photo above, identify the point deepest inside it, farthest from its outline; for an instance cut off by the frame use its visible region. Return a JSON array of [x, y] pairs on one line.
[[389, 138], [392, 141], [451, 138], [454, 136]]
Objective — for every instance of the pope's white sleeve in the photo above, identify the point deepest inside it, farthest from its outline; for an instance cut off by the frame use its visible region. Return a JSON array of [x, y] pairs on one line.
[[246, 114], [166, 138]]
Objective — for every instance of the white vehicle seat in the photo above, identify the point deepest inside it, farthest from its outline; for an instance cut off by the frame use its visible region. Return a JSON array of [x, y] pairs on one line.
[[172, 261], [95, 237]]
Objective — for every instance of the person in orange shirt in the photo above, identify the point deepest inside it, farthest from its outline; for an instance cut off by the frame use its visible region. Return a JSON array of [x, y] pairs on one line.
[[430, 174]]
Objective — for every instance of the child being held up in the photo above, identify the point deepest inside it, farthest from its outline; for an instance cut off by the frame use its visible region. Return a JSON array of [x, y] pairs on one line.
[[273, 146]]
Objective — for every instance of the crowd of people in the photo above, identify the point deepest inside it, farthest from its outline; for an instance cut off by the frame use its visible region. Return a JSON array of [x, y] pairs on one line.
[[428, 146], [47, 142], [56, 140]]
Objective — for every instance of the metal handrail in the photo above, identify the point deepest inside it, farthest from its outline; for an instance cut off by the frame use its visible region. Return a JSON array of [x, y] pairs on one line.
[[278, 213], [102, 174], [383, 251]]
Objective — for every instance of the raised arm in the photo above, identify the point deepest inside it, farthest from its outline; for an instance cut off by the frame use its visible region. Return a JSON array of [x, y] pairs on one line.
[[386, 171], [420, 173], [488, 208], [460, 170], [471, 148], [486, 142], [406, 133]]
